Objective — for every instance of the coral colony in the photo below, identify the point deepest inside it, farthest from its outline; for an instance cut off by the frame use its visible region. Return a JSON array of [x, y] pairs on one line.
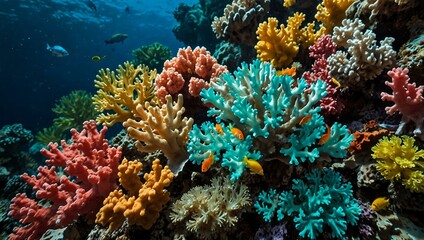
[[272, 153]]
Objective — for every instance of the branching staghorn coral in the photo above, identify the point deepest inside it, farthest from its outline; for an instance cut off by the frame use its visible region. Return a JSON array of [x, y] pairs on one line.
[[162, 128], [270, 107], [142, 202], [331, 13], [211, 211], [259, 102], [363, 59], [121, 93]]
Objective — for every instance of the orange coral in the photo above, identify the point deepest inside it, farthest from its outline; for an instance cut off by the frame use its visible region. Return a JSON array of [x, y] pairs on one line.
[[143, 202]]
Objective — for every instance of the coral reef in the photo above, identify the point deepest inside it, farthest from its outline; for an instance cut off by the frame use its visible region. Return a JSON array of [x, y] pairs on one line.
[[90, 173]]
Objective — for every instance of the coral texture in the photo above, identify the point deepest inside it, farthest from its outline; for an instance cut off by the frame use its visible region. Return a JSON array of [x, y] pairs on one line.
[[142, 203], [211, 211], [323, 200], [398, 159], [363, 59], [408, 100], [121, 93], [187, 73], [162, 128], [152, 55], [240, 21], [90, 174]]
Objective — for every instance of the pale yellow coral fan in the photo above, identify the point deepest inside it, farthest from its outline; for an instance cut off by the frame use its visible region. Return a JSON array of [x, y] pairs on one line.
[[143, 202], [279, 45], [331, 13], [162, 128], [210, 211], [121, 93]]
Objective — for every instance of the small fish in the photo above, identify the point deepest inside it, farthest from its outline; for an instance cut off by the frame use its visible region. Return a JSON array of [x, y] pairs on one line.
[[91, 5], [288, 71], [253, 165], [237, 132], [305, 119], [218, 128], [336, 82], [326, 136], [97, 58], [57, 51], [116, 38], [380, 203], [207, 163]]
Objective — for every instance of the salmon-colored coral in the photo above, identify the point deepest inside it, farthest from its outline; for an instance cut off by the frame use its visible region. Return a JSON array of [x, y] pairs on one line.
[[187, 73], [142, 203]]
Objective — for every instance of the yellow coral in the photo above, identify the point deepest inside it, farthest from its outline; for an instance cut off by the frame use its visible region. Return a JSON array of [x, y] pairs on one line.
[[398, 159], [279, 46], [288, 3], [123, 92], [331, 13], [143, 202], [162, 128]]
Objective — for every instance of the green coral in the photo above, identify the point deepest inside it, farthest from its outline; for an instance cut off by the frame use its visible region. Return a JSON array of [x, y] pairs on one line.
[[399, 159], [152, 55], [72, 111]]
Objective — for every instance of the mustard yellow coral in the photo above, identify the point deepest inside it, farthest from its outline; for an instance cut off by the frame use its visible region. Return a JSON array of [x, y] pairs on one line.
[[120, 94], [399, 159], [143, 202], [279, 45], [331, 13]]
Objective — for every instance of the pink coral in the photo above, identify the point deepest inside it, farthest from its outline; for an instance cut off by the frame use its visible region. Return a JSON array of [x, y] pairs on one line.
[[90, 174], [324, 47], [408, 100], [189, 72]]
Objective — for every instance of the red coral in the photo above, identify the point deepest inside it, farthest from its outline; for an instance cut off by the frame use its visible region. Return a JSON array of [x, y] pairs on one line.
[[192, 69], [324, 47], [90, 174]]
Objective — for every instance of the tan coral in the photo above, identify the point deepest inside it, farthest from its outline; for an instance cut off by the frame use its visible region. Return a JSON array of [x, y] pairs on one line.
[[121, 93], [210, 211], [162, 128]]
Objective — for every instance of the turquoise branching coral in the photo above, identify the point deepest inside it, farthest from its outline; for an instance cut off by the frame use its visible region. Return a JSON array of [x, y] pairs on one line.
[[322, 200], [399, 159], [269, 108]]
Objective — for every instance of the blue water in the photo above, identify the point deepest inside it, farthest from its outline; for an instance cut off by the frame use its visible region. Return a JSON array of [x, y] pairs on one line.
[[32, 79]]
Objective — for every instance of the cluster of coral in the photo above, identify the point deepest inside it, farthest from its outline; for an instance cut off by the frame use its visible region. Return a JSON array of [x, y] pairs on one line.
[[318, 136]]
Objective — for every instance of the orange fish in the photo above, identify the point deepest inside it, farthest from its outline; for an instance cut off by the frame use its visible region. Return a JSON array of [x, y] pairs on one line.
[[218, 128], [207, 163], [287, 71], [237, 133], [305, 119], [326, 136]]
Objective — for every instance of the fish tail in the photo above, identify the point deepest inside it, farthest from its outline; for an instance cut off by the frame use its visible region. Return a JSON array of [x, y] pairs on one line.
[[48, 46], [107, 42]]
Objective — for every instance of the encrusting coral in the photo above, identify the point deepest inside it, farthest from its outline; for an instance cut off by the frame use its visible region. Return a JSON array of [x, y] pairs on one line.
[[121, 93], [142, 203], [162, 128], [211, 211], [399, 160]]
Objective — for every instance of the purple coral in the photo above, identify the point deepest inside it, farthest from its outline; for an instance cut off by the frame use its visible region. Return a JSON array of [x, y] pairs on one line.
[[266, 232]]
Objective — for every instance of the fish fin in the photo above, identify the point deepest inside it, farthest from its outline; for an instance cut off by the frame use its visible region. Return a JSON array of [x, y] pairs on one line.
[[48, 46]]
